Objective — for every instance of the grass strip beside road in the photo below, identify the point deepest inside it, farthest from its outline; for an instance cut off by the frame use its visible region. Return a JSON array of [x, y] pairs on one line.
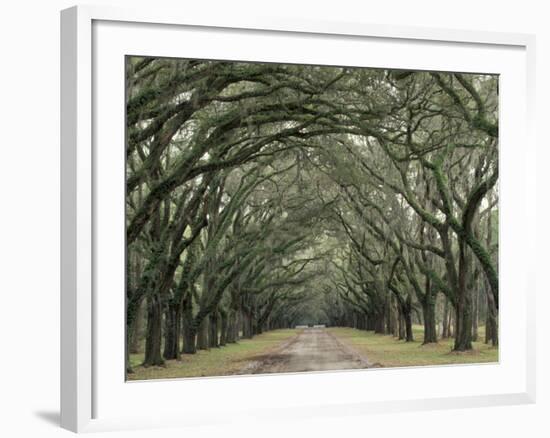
[[387, 351], [223, 361]]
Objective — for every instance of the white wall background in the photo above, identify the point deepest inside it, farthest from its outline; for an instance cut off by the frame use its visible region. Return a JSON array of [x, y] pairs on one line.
[[29, 216]]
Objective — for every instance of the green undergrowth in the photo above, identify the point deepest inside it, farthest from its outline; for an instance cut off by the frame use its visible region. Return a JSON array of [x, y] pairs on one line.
[[387, 351], [227, 360]]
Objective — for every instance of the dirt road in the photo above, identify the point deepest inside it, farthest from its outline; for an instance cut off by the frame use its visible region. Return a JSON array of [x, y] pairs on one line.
[[313, 349]]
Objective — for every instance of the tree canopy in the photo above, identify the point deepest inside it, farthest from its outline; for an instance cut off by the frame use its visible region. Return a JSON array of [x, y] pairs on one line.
[[261, 196]]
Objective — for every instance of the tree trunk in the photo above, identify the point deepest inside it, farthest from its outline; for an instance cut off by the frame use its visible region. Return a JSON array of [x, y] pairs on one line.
[[389, 316], [428, 308], [254, 326], [244, 326], [213, 329], [189, 339], [401, 331], [133, 279], [371, 322], [492, 308], [133, 322], [238, 323], [223, 327], [463, 335], [202, 335], [188, 328], [491, 325], [488, 327], [247, 325], [380, 323], [129, 369], [475, 315], [153, 338], [452, 323], [395, 315], [136, 331], [445, 325], [172, 331], [232, 327], [408, 328]]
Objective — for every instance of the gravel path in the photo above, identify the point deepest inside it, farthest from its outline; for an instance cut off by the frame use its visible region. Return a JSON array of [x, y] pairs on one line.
[[313, 349]]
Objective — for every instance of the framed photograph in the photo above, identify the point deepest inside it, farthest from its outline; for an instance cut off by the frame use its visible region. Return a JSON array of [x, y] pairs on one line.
[[328, 217]]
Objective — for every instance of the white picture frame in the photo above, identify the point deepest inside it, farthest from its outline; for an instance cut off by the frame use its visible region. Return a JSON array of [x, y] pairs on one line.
[[92, 390]]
